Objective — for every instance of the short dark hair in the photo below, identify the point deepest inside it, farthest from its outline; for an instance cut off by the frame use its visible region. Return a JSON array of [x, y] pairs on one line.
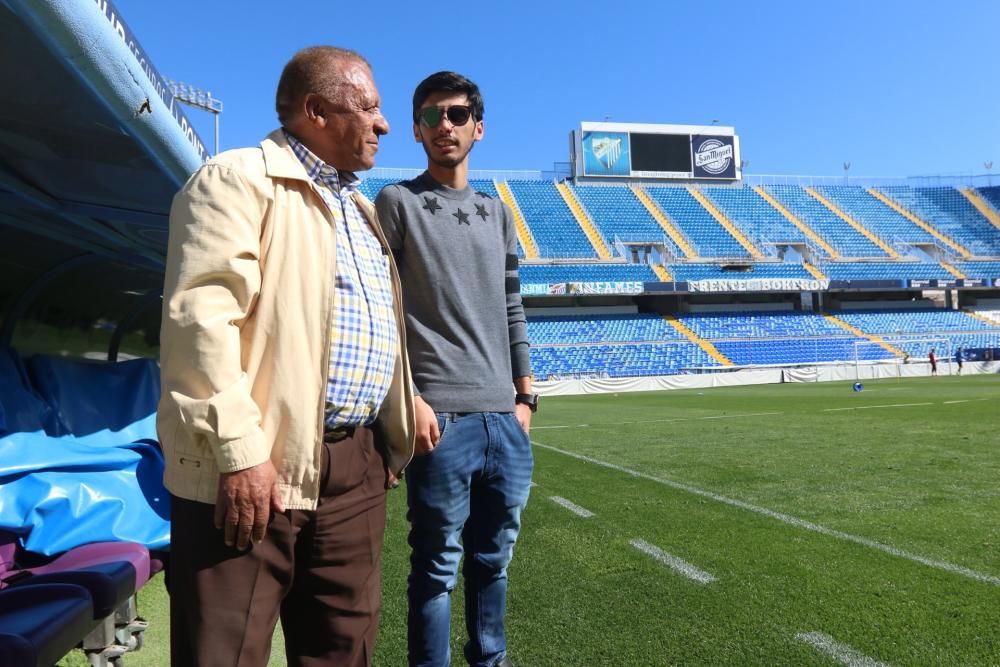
[[451, 82], [311, 70]]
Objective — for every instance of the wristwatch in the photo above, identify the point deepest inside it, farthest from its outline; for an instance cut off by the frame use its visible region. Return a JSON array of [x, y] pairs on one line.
[[531, 400]]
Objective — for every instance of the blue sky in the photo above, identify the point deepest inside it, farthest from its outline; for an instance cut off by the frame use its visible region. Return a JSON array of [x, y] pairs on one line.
[[896, 88]]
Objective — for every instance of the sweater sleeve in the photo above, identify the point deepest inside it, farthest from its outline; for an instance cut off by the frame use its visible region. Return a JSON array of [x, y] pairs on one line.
[[517, 324], [387, 206]]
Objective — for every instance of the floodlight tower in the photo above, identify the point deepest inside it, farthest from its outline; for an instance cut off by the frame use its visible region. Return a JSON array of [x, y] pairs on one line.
[[199, 99]]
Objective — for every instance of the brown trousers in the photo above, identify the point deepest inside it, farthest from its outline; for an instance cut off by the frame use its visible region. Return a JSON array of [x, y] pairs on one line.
[[317, 570]]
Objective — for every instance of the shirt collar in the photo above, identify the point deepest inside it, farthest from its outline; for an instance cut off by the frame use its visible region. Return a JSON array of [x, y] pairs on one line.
[[320, 172]]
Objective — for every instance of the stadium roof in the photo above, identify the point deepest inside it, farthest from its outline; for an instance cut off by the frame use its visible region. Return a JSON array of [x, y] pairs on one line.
[[92, 149]]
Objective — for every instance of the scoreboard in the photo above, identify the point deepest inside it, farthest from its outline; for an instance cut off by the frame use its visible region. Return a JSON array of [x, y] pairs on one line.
[[638, 151]]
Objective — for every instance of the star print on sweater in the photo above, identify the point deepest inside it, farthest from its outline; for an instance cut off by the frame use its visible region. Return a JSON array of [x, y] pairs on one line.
[[481, 212], [431, 204], [463, 217]]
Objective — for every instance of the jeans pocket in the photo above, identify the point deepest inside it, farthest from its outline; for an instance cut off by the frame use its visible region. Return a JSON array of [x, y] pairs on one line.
[[444, 423]]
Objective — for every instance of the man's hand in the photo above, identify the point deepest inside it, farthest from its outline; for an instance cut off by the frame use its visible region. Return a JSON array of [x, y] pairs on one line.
[[523, 414], [427, 428], [244, 504]]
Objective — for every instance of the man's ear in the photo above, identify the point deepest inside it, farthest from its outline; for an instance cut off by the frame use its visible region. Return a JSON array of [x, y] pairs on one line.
[[480, 128], [314, 110], [416, 133]]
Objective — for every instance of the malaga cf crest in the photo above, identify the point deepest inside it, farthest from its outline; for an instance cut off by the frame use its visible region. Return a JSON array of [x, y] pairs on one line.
[[607, 150]]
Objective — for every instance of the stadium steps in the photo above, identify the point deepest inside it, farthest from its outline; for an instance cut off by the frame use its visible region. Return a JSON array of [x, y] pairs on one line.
[[861, 334], [952, 270], [816, 238], [662, 273], [898, 208], [584, 221], [710, 206], [523, 232], [984, 208], [710, 349], [816, 273], [664, 222], [852, 222]]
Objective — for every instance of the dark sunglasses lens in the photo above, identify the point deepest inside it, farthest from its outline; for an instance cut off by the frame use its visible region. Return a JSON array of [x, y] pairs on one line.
[[431, 116], [458, 115]]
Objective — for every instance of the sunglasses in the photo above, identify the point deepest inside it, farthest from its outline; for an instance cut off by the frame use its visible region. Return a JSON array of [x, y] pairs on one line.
[[457, 115]]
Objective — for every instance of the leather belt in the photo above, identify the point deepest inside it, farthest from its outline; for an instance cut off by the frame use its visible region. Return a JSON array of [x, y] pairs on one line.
[[338, 434]]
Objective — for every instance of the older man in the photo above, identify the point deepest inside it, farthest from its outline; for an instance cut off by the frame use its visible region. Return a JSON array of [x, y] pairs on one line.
[[286, 406]]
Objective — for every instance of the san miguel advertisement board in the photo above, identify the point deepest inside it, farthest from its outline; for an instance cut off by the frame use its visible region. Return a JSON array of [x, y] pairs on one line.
[[638, 151]]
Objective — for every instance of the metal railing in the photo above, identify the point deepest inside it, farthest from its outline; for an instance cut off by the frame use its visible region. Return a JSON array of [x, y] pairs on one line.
[[933, 180]]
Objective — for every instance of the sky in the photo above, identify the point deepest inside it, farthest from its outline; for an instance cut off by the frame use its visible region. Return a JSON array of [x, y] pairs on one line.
[[896, 88]]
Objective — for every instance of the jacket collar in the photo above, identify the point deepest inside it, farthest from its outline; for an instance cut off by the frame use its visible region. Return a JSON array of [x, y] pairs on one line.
[[279, 160]]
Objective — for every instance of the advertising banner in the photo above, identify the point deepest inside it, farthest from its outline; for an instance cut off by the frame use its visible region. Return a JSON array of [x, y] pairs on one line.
[[713, 156], [759, 285]]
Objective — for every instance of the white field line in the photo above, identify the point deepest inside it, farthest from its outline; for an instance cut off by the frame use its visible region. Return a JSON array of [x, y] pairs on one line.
[[572, 507], [872, 407], [748, 414], [842, 653], [673, 562], [664, 421], [790, 520]]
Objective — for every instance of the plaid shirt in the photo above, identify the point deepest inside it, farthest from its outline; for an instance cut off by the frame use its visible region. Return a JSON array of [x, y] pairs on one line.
[[364, 341]]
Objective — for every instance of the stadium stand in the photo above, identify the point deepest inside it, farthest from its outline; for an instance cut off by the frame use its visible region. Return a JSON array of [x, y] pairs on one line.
[[992, 195], [917, 321], [947, 210], [884, 271], [562, 329], [760, 221], [552, 224], [620, 216], [371, 186], [624, 360], [894, 326], [835, 231], [562, 273], [892, 227], [709, 237], [979, 269]]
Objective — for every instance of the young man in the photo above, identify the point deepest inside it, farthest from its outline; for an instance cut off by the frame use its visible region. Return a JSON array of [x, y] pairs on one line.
[[959, 359], [284, 383], [933, 359], [457, 254]]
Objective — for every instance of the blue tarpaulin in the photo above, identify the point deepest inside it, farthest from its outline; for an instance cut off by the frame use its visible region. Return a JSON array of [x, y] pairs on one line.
[[79, 463]]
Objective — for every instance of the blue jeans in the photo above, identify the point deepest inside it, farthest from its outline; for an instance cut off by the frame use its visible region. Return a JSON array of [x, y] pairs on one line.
[[473, 485]]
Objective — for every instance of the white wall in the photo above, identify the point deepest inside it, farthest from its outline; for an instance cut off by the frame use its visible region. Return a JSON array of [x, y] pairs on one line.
[[829, 373]]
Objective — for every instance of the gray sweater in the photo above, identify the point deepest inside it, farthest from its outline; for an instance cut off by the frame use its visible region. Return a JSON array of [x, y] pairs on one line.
[[456, 251]]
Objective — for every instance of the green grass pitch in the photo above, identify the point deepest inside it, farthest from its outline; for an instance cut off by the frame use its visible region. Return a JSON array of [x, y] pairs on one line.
[[835, 526]]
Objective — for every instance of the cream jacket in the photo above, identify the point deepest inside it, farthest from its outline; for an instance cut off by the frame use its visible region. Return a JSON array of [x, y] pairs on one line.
[[247, 324]]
